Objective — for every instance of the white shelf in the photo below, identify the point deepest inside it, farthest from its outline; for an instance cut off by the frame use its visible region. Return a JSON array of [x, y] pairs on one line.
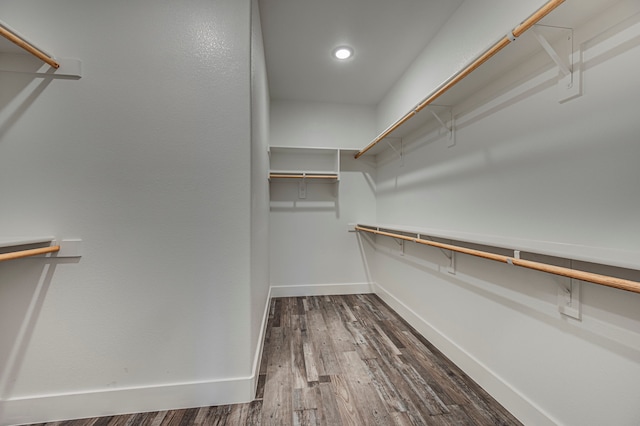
[[317, 172], [70, 68], [591, 254], [69, 247], [23, 241], [304, 163], [489, 78], [15, 59]]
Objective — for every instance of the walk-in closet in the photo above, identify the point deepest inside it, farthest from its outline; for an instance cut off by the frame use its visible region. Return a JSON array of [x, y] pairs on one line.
[[295, 212]]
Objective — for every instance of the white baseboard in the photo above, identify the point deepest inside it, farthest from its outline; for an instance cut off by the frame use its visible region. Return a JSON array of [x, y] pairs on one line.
[[521, 407], [258, 355], [49, 408], [320, 289]]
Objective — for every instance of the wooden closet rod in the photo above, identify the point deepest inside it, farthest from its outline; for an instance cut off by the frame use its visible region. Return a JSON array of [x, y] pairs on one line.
[[28, 47], [456, 78], [605, 280], [26, 253]]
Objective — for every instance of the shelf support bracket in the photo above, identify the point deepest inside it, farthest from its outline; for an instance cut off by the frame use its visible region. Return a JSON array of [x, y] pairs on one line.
[[401, 244], [569, 84], [450, 129], [449, 254], [565, 68], [399, 152], [302, 187], [452, 263], [569, 299]]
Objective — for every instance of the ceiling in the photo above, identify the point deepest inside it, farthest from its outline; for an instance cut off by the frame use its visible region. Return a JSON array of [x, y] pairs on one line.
[[387, 35], [299, 36]]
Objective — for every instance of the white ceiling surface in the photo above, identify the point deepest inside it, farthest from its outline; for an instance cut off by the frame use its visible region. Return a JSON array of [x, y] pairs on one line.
[[299, 36]]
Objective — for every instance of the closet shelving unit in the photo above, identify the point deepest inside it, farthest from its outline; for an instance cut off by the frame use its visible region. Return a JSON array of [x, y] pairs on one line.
[[16, 247], [304, 165], [436, 106], [619, 258], [315, 164], [18, 54], [21, 247]]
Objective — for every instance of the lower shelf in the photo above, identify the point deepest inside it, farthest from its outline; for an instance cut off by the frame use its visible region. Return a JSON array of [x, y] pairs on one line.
[[19, 247], [320, 176], [23, 241]]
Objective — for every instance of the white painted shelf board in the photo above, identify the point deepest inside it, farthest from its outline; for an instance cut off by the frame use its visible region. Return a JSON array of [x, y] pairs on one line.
[[21, 241], [15, 59], [305, 160], [489, 74], [24, 63], [315, 172], [592, 254]]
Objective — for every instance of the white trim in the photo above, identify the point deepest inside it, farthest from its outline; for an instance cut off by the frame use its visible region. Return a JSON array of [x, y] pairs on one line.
[[320, 289], [258, 356], [57, 407], [48, 408], [517, 404]]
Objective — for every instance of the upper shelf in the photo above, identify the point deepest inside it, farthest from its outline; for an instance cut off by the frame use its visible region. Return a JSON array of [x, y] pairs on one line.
[[23, 241], [321, 164], [19, 247], [408, 123], [592, 254], [13, 47]]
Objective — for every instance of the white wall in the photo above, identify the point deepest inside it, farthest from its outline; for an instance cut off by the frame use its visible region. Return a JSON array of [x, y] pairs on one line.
[[320, 124], [311, 251], [526, 166], [460, 40], [259, 187], [147, 158]]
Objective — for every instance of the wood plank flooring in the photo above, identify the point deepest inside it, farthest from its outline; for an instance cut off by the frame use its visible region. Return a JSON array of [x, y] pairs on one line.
[[342, 360]]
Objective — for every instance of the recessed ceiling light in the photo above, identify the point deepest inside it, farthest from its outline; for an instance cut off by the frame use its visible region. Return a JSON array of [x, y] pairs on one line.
[[342, 52]]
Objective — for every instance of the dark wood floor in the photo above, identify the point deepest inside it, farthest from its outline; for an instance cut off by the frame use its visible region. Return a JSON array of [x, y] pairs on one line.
[[342, 360]]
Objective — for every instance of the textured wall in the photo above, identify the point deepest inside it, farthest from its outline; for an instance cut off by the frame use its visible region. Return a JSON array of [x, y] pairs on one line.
[[460, 40], [259, 183], [147, 159], [309, 243], [526, 166]]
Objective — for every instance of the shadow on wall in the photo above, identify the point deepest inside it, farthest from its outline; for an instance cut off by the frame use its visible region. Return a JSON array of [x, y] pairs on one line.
[[597, 50], [15, 99], [24, 284], [364, 166], [366, 247], [300, 196], [609, 318]]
